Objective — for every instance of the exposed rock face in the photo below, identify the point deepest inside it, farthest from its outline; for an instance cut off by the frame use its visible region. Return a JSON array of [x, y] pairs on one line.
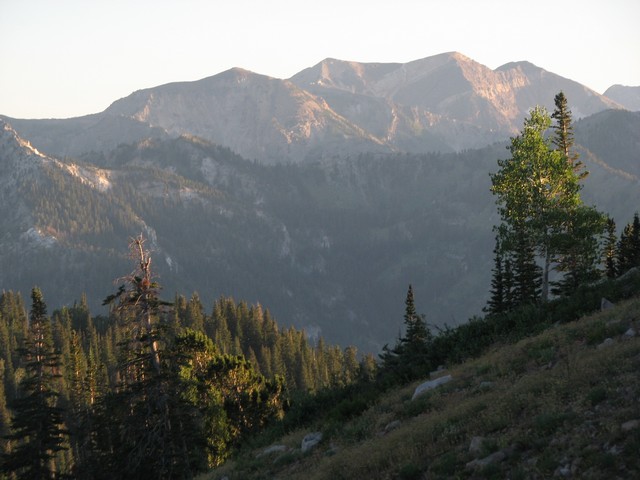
[[257, 116], [446, 101]]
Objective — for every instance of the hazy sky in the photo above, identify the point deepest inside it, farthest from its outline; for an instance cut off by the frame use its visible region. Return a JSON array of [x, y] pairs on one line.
[[63, 58]]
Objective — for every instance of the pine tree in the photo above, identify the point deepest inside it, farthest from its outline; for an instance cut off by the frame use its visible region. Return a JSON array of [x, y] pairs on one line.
[[497, 300], [149, 434], [37, 430], [410, 359], [610, 250], [578, 238], [629, 246], [194, 314], [579, 254], [139, 305], [417, 335], [563, 134], [525, 272]]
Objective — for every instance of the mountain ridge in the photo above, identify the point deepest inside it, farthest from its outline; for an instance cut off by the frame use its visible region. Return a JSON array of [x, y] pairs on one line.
[[446, 102]]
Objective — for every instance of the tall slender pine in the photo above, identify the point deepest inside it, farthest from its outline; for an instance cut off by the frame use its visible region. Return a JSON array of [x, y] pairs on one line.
[[37, 431]]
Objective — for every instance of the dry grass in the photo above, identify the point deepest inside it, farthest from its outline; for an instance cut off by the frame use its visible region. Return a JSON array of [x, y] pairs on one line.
[[554, 404]]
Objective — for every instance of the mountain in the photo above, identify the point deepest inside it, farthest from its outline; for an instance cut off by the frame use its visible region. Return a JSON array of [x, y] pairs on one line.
[[443, 103], [257, 116], [364, 182], [329, 246], [628, 97]]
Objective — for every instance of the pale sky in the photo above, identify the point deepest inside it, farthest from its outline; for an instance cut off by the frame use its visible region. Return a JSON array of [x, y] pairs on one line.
[[65, 58]]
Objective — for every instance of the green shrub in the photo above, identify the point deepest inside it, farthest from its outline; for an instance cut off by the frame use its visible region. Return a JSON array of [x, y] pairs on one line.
[[410, 472], [445, 465], [597, 395], [549, 422]]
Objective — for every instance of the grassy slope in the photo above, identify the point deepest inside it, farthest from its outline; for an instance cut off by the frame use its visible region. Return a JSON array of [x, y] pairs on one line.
[[556, 404]]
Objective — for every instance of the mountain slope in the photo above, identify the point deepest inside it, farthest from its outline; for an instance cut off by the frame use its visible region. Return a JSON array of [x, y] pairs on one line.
[[328, 247], [628, 97], [562, 403], [257, 116]]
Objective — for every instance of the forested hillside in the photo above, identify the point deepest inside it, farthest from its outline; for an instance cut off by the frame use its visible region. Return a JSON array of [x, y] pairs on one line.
[[76, 391], [329, 246]]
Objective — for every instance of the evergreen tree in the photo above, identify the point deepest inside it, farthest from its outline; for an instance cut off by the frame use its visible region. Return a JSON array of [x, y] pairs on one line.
[[150, 435], [578, 241], [563, 134], [139, 307], [417, 334], [194, 314], [629, 246], [579, 255], [525, 273], [610, 249], [37, 431], [497, 299], [410, 359]]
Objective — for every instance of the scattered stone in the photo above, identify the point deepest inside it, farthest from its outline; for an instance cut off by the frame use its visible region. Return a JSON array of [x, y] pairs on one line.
[[475, 447], [437, 371], [606, 304], [430, 385], [310, 441], [392, 426], [630, 425], [562, 471], [272, 449], [489, 460], [607, 343], [630, 333], [615, 450]]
